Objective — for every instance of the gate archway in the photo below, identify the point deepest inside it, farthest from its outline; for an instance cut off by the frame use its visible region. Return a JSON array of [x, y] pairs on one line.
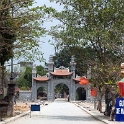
[[81, 93], [61, 90], [42, 93], [56, 76]]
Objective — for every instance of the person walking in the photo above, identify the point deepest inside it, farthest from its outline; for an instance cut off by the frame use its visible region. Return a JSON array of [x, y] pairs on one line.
[[14, 99], [68, 97], [112, 114]]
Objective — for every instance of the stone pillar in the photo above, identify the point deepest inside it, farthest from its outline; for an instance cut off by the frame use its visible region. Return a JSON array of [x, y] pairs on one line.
[[11, 92], [72, 87], [50, 64], [34, 89], [73, 65], [50, 92], [88, 94], [72, 92]]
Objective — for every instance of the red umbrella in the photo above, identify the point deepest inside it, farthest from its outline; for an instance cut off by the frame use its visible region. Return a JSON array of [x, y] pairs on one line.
[[94, 92], [83, 81]]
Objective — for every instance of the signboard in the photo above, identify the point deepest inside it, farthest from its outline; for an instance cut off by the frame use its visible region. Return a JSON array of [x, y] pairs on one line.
[[119, 109], [35, 107]]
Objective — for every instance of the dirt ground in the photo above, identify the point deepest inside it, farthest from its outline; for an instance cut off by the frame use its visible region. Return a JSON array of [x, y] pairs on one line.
[[21, 107]]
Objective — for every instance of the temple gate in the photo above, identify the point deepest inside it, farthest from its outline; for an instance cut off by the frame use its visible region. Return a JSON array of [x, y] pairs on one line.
[[57, 76]]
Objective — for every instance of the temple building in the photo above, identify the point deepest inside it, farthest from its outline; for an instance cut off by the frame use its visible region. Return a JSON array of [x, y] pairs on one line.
[[56, 76]]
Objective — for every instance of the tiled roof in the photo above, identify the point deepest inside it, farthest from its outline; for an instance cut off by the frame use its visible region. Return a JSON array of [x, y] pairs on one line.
[[77, 79], [42, 78], [61, 72]]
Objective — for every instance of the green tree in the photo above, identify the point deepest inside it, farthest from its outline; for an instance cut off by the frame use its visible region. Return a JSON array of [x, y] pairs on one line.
[[61, 88], [21, 27], [25, 81], [7, 38], [20, 19], [83, 57], [40, 70], [28, 76], [99, 25]]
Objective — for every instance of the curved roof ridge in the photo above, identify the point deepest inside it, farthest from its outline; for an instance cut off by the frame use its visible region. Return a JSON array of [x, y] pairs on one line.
[[42, 78], [78, 78], [61, 72], [61, 67]]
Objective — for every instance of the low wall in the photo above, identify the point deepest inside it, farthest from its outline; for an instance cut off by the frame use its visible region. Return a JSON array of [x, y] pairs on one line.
[[24, 95]]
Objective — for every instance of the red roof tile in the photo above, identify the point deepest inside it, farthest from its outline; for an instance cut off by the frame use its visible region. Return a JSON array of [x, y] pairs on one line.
[[77, 79], [61, 72], [41, 78]]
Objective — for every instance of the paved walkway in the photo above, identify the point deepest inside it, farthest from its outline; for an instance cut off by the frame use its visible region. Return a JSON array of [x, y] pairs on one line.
[[89, 108], [62, 111]]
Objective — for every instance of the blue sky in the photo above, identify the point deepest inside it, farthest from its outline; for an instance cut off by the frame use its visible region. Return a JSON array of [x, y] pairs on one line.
[[47, 49]]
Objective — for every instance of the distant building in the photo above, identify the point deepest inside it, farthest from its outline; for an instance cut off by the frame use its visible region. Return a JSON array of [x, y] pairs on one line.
[[23, 66]]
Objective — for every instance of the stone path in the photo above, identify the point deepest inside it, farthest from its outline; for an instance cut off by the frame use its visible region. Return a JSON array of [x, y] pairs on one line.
[[62, 111], [58, 112]]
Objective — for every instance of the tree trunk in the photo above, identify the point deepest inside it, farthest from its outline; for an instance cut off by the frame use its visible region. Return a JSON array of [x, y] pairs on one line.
[[3, 80], [99, 107], [108, 102]]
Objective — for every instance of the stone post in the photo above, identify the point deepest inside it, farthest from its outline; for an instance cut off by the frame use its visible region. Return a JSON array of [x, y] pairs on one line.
[[50, 64], [50, 91], [11, 91], [73, 65], [72, 88], [34, 90]]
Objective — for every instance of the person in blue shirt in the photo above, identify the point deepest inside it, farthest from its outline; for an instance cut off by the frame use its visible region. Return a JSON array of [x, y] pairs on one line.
[[14, 99]]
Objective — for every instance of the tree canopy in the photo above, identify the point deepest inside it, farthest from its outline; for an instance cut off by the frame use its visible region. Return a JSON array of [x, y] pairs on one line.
[[21, 29], [25, 79], [98, 25], [40, 70]]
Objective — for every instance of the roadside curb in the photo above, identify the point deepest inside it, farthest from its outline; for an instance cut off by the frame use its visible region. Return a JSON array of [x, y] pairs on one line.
[[96, 116], [14, 118]]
